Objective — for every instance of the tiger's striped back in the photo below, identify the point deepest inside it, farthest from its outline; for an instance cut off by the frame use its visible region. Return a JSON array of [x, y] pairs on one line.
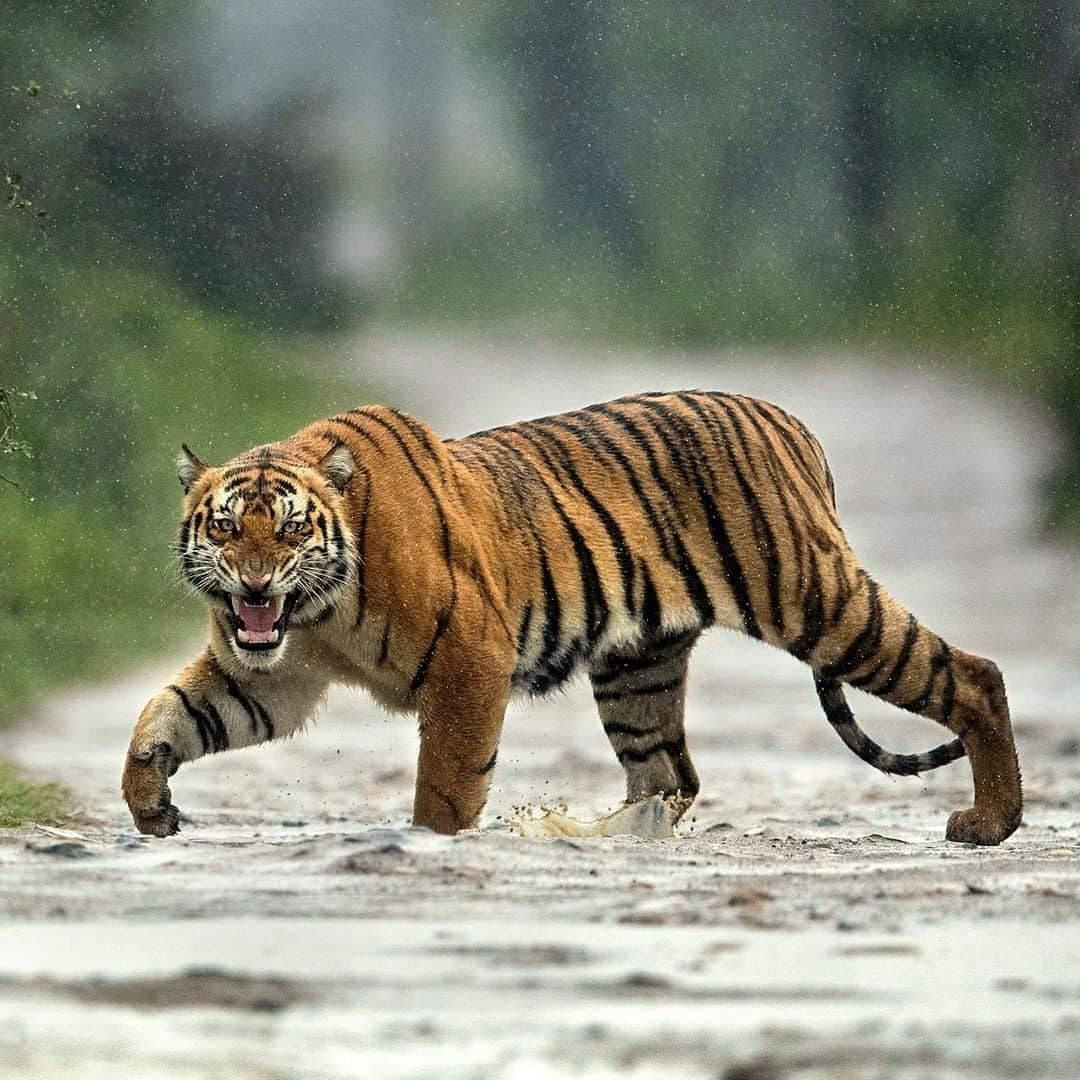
[[657, 514]]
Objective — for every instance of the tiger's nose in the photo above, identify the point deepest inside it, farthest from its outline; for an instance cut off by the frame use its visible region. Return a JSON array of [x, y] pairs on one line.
[[255, 581]]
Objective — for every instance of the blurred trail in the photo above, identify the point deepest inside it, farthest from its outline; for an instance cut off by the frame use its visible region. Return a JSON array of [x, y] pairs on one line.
[[810, 915]]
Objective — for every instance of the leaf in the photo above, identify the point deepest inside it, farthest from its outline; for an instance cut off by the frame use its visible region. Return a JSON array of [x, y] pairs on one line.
[[33, 88]]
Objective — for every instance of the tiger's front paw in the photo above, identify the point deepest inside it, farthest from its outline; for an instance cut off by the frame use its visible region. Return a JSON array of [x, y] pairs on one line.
[[146, 790], [164, 821]]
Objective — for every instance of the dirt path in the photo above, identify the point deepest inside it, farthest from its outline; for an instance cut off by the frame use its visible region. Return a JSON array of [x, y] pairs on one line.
[[810, 920]]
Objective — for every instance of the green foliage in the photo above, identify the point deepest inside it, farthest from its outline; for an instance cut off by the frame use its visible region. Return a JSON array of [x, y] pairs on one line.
[[10, 441], [126, 166], [124, 368], [22, 801]]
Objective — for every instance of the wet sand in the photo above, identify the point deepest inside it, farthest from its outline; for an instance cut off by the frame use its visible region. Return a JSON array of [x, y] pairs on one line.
[[809, 919]]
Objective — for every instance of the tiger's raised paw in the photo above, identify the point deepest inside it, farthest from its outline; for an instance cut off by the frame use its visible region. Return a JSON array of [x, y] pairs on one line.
[[162, 822], [147, 793], [977, 826]]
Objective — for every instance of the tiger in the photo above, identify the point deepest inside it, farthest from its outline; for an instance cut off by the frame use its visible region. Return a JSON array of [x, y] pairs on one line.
[[447, 577]]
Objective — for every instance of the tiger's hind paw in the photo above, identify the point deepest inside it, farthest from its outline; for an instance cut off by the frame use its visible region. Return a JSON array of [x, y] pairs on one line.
[[978, 826]]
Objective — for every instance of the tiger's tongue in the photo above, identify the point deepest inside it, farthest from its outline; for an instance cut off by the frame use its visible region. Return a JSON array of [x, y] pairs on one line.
[[260, 620]]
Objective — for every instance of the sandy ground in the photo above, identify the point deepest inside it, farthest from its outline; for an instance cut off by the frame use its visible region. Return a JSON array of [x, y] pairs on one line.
[[808, 921]]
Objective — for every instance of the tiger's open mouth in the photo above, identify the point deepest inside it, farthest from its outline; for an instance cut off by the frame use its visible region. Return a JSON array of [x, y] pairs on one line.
[[260, 626]]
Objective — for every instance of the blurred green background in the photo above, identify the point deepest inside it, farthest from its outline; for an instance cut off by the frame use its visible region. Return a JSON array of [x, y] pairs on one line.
[[203, 201]]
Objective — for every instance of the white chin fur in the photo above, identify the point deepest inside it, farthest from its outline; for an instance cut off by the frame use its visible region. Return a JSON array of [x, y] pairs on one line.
[[259, 660]]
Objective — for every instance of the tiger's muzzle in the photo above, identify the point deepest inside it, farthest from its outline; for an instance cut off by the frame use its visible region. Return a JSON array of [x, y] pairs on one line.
[[259, 623]]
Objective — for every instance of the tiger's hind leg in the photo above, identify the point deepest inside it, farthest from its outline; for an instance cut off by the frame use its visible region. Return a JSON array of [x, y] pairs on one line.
[[880, 648], [641, 694]]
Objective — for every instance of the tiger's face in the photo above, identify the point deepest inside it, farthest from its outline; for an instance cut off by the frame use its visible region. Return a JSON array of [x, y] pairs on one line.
[[266, 541]]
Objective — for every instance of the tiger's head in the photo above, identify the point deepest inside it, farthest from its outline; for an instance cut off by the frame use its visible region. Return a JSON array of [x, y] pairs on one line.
[[266, 540]]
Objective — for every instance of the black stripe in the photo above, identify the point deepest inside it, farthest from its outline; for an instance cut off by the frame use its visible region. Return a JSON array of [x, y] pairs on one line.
[[444, 618], [552, 614], [616, 537], [246, 700], [422, 476], [681, 558], [591, 436], [813, 613], [441, 624], [674, 747], [809, 512], [363, 432], [740, 412], [246, 471], [436, 502], [651, 614], [200, 718], [236, 694], [862, 682], [868, 641], [733, 571], [220, 732], [779, 423], [596, 608], [780, 486], [419, 431], [661, 652], [265, 717], [902, 659], [640, 439], [917, 704], [670, 542], [764, 537], [620, 730], [554, 674], [640, 691], [844, 589], [524, 627]]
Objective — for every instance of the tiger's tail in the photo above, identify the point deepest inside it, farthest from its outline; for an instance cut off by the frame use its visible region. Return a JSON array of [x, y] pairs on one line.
[[831, 694]]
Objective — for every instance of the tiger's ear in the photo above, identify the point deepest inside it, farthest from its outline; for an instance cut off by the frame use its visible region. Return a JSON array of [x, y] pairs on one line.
[[189, 467], [337, 466]]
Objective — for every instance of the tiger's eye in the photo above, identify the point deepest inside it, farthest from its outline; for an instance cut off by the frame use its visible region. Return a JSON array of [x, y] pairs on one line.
[[292, 527], [225, 525]]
